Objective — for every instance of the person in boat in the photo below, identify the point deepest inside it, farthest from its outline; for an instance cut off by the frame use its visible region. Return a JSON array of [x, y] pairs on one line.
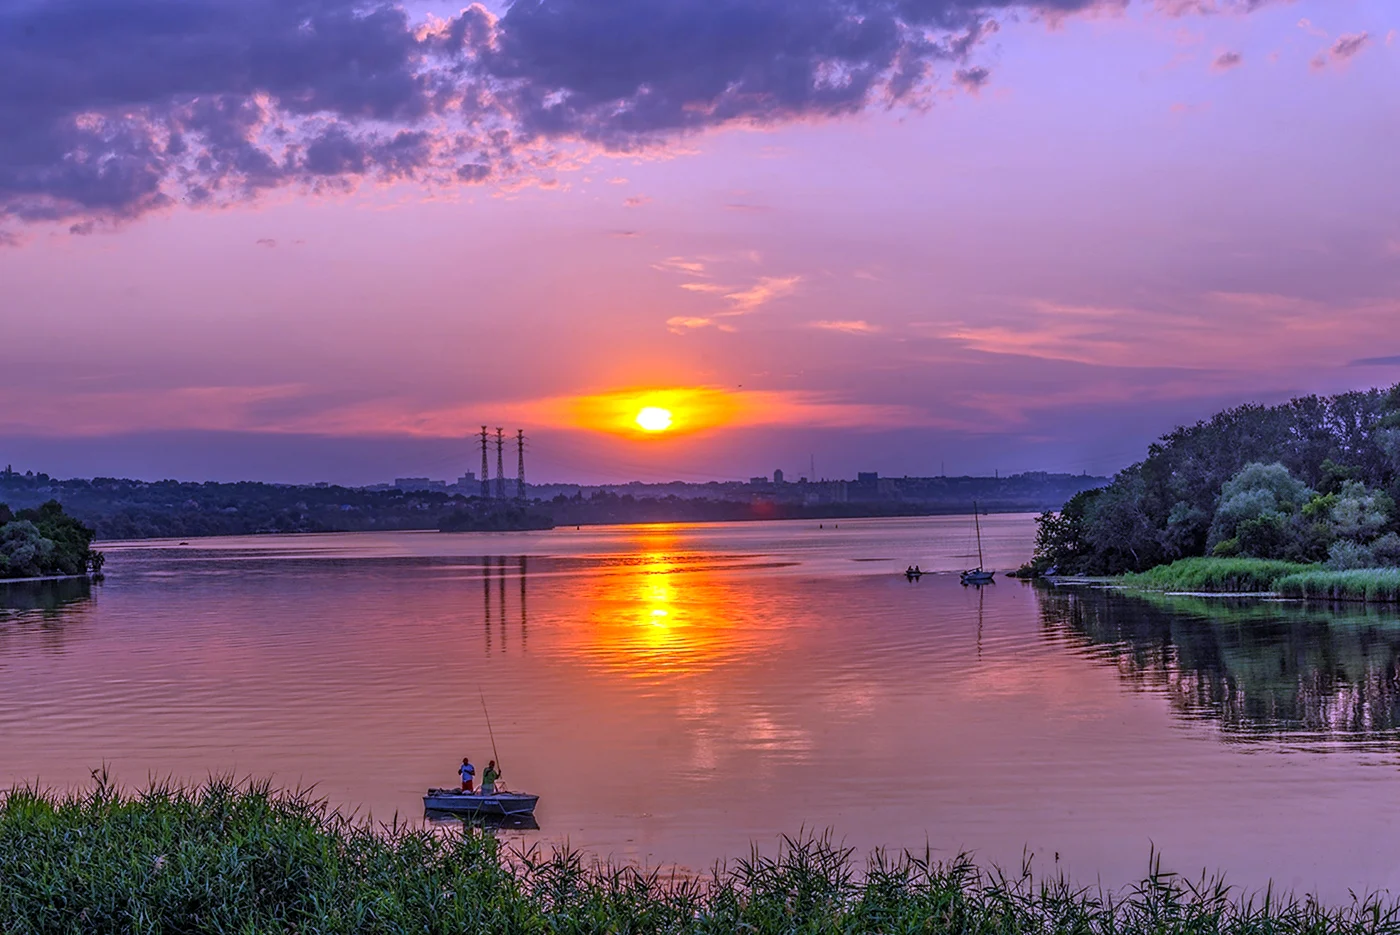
[[468, 773], [488, 779]]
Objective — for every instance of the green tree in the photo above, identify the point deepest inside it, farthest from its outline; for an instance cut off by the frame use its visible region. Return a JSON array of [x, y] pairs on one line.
[[1257, 512]]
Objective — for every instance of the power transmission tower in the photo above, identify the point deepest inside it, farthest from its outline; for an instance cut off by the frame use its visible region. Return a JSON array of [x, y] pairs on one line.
[[485, 468], [500, 464], [520, 467]]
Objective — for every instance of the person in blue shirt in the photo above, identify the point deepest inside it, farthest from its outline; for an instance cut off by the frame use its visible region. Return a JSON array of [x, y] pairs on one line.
[[468, 774]]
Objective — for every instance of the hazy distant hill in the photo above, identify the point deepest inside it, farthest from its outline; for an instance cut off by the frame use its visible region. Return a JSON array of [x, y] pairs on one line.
[[132, 509]]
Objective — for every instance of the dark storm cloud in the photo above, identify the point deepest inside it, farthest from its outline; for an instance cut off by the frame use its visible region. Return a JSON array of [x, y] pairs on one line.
[[112, 108], [618, 71], [104, 102]]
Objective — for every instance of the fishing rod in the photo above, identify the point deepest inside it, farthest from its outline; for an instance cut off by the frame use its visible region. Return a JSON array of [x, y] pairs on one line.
[[489, 731]]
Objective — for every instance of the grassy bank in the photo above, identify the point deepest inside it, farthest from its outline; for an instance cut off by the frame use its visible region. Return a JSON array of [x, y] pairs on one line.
[[1254, 575], [228, 859], [1223, 575], [1375, 585]]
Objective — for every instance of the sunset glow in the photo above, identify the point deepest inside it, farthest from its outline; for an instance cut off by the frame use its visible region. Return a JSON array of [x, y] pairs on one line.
[[654, 419], [437, 222]]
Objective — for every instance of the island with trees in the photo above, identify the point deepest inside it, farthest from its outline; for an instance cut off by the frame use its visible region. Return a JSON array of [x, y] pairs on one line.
[[45, 542], [1299, 498]]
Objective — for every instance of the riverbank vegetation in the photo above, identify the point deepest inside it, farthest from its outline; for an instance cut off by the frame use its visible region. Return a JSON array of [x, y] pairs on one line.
[[223, 858], [1212, 575], [1313, 482], [1375, 585], [45, 542], [1215, 575]]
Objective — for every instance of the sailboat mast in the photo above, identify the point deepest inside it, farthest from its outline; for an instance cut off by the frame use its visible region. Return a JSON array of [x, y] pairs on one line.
[[976, 523]]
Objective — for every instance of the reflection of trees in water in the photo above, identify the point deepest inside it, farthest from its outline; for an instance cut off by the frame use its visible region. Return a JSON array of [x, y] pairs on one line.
[[43, 609], [1257, 667], [44, 597]]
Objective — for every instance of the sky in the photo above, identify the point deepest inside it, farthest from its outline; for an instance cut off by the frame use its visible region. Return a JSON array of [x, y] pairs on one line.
[[305, 240]]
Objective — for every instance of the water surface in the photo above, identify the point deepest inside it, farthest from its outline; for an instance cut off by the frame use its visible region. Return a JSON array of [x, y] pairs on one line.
[[677, 692]]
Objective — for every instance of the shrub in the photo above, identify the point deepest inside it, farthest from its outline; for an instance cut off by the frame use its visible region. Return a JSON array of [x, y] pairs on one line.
[[1344, 555], [1386, 549]]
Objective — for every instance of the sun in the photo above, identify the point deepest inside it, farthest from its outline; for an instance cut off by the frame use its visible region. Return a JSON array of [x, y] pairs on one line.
[[654, 419]]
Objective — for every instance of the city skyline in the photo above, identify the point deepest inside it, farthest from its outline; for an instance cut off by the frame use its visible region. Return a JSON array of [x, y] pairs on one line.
[[990, 235]]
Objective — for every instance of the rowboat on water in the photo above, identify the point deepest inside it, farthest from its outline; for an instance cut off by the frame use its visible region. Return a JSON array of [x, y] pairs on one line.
[[498, 804]]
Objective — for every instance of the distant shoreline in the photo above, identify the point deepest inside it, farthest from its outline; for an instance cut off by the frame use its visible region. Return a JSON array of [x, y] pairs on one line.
[[46, 578], [1009, 511], [121, 510]]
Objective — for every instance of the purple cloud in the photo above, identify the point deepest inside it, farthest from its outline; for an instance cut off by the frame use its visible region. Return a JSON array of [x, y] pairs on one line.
[[1347, 46], [1228, 60], [972, 79], [113, 108], [1344, 48]]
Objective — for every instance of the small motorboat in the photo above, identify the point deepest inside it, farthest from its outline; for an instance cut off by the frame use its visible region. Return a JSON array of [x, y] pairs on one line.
[[913, 574], [496, 805]]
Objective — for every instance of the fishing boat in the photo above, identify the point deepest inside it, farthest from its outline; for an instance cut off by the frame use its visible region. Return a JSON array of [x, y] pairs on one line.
[[499, 803], [479, 804], [977, 575], [913, 574]]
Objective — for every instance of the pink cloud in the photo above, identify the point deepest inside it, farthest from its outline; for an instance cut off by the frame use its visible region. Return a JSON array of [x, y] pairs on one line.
[[1234, 331], [847, 327]]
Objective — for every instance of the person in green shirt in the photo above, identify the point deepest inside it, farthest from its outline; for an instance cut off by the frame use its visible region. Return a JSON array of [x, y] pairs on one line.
[[488, 779]]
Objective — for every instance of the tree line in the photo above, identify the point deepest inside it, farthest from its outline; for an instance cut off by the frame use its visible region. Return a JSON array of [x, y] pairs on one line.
[[1316, 479]]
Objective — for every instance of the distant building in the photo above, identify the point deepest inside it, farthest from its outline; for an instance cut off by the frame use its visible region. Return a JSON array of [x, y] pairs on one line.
[[418, 484], [866, 486], [778, 476], [759, 481]]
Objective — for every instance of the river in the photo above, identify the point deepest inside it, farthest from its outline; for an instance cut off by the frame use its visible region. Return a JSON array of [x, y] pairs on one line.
[[677, 694]]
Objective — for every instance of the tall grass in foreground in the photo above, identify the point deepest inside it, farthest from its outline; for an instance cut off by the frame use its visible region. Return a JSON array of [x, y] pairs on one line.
[[1221, 575], [1362, 584], [223, 858]]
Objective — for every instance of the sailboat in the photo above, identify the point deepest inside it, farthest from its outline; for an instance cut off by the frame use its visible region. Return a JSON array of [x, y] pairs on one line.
[[977, 575]]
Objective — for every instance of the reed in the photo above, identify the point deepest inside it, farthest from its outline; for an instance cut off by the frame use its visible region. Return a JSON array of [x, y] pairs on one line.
[[229, 858], [1362, 584], [1216, 575]]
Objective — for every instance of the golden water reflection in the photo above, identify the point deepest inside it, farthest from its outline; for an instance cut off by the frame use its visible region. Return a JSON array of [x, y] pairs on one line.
[[663, 614]]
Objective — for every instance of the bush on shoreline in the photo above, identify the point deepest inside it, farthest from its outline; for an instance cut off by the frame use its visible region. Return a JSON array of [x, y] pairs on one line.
[[227, 858]]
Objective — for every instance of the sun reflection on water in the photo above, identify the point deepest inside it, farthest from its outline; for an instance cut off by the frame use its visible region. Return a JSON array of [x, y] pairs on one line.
[[663, 616]]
